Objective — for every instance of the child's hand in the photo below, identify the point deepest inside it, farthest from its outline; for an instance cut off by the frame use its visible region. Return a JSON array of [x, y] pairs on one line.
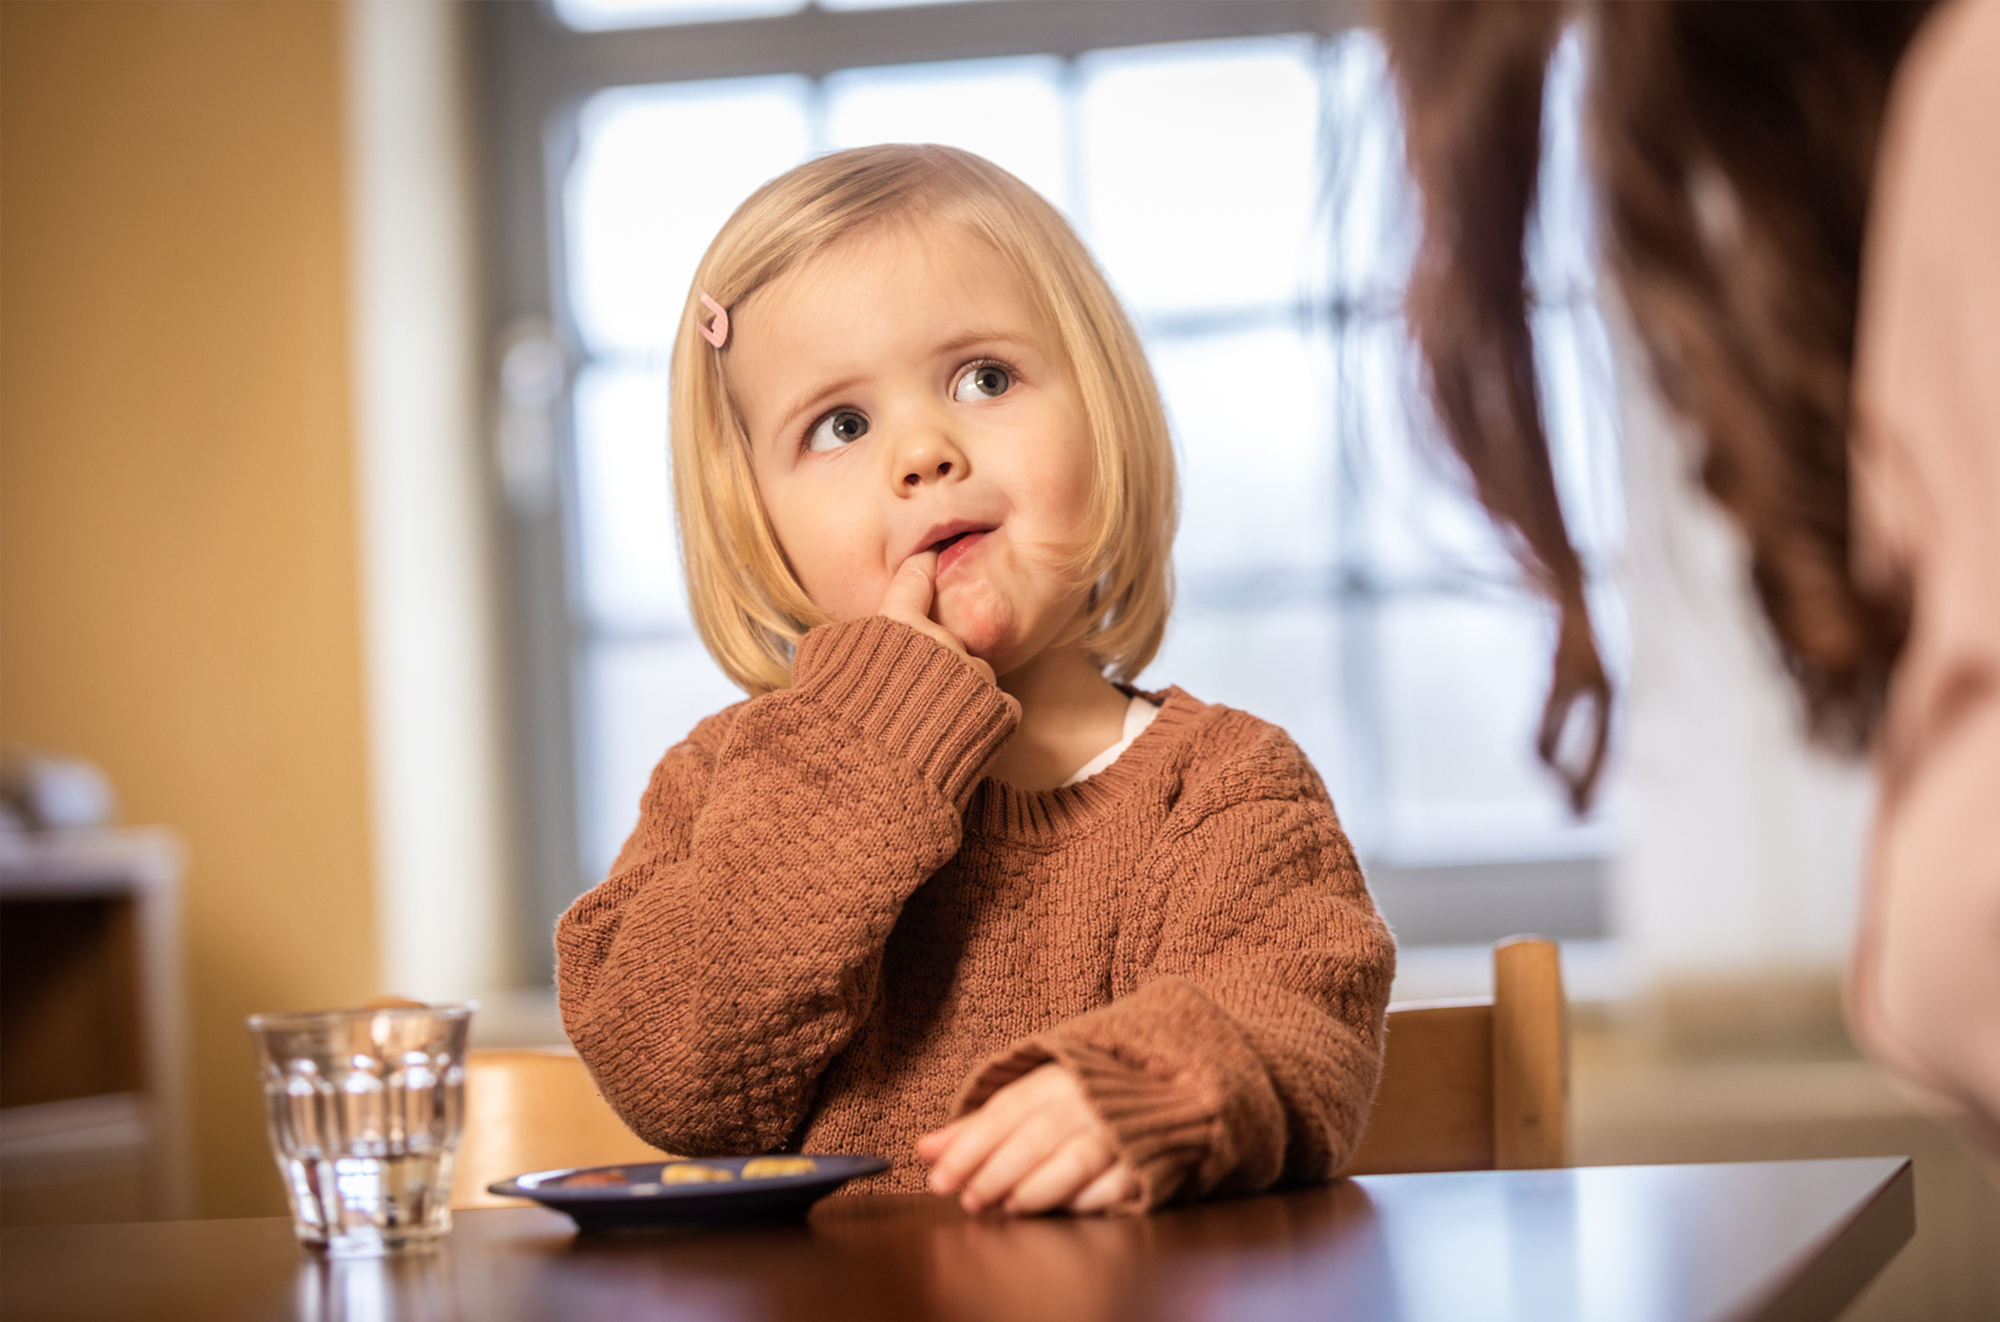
[[1033, 1147], [909, 601]]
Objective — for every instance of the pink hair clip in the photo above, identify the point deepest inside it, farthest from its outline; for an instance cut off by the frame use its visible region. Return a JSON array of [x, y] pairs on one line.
[[717, 331]]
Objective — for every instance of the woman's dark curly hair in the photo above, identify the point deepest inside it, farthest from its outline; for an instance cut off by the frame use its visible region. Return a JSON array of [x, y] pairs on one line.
[[1733, 147]]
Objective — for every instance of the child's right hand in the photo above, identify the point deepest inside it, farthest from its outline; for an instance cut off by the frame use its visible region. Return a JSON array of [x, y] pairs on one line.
[[909, 599]]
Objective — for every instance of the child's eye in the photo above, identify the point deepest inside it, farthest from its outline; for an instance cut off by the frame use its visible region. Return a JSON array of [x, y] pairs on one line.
[[838, 428], [981, 381]]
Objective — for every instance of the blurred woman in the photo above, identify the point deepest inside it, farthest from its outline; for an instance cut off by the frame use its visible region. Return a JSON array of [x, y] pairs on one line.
[[1801, 210]]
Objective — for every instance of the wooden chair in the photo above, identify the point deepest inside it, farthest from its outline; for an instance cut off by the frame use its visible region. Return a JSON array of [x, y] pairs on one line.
[[1467, 1085], [534, 1109], [1476, 1084]]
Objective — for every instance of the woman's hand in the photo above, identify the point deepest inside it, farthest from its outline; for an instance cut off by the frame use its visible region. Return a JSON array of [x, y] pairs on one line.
[[1035, 1146], [909, 598]]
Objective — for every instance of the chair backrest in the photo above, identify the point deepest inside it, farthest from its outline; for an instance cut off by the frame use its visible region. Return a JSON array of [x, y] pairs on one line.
[[534, 1109], [1476, 1084]]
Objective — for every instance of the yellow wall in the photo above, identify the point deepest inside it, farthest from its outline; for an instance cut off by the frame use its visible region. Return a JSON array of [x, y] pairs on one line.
[[177, 529]]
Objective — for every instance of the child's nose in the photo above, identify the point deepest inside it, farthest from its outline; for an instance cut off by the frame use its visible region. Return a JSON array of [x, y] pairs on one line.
[[928, 456]]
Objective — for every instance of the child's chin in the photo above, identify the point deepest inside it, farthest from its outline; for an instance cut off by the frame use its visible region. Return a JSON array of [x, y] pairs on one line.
[[995, 648], [985, 634]]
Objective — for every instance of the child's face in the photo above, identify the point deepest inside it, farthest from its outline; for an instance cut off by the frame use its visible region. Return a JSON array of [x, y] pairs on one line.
[[902, 396]]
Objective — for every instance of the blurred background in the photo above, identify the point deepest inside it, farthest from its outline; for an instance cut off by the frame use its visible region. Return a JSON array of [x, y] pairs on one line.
[[335, 530]]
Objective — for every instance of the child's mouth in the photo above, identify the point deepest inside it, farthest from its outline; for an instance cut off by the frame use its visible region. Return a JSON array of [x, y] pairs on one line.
[[954, 548]]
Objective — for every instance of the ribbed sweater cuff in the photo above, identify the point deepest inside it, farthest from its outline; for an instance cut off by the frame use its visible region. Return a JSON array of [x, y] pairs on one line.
[[918, 698], [1163, 1129]]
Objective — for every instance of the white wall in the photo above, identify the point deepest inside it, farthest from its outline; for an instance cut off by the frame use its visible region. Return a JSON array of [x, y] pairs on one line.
[[428, 579], [1743, 847]]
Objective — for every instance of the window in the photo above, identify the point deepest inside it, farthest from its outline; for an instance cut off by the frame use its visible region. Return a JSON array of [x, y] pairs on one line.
[[1241, 182]]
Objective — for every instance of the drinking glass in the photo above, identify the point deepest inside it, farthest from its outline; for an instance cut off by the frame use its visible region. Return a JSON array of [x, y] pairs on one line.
[[365, 1108]]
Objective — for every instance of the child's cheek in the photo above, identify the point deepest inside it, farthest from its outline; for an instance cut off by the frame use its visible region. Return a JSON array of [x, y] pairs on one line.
[[846, 588]]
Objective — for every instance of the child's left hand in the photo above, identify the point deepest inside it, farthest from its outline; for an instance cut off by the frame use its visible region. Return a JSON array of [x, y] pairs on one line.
[[1033, 1147]]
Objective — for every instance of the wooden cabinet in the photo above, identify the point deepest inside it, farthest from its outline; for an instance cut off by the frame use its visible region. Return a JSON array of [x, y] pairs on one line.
[[90, 1027]]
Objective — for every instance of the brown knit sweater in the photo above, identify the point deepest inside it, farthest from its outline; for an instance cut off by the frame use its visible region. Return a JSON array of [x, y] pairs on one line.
[[829, 933]]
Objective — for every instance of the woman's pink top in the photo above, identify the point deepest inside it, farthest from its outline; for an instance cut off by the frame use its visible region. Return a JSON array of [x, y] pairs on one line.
[[1925, 996]]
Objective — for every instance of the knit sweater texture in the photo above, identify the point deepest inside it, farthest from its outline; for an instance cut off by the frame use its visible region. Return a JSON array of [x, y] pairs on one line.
[[830, 932]]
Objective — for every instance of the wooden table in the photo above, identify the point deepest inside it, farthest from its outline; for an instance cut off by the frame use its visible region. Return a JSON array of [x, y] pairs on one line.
[[1757, 1240]]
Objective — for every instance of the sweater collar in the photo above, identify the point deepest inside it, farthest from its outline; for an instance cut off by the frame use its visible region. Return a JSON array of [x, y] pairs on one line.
[[1046, 817]]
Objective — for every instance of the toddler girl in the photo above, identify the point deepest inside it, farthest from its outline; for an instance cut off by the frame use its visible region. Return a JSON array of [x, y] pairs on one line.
[[940, 890]]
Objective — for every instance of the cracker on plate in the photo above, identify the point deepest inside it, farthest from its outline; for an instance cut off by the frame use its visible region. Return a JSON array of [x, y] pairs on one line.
[[593, 1180], [771, 1168]]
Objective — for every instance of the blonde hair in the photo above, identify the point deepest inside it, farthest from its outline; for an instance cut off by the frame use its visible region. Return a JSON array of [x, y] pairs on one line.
[[747, 604]]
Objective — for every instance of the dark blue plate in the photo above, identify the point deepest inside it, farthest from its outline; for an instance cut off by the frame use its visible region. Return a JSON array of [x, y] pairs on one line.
[[633, 1197]]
